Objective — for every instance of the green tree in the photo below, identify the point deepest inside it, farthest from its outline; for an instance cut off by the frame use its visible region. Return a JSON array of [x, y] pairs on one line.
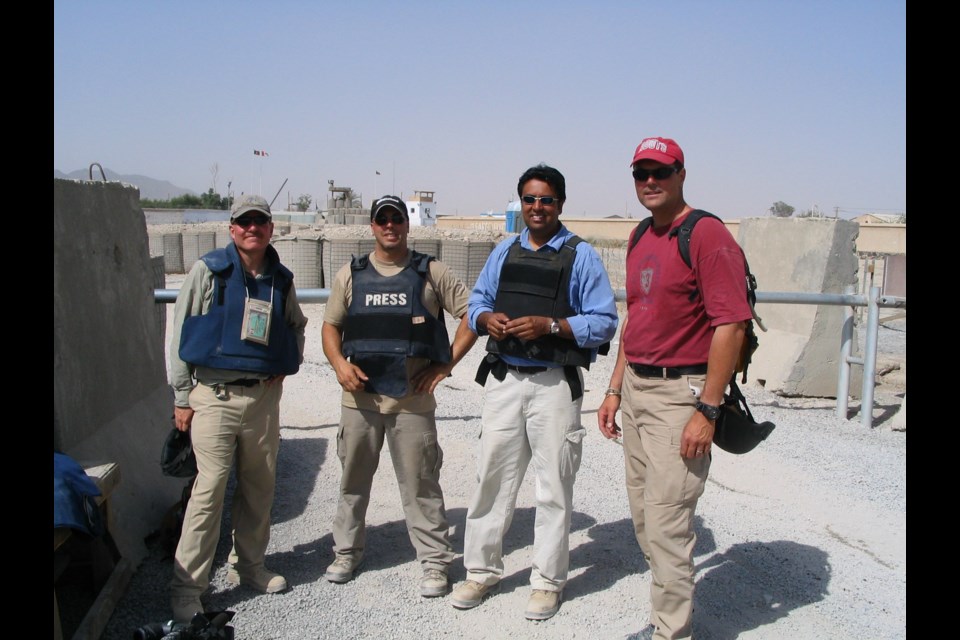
[[303, 202], [781, 210], [208, 200]]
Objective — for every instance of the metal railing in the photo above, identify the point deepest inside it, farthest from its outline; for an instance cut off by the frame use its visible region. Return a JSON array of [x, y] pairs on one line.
[[872, 300]]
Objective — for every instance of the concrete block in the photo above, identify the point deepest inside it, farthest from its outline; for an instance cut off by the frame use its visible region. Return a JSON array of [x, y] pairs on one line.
[[800, 354], [112, 402]]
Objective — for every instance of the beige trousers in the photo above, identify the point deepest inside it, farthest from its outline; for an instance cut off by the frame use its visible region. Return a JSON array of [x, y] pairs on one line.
[[244, 426], [663, 490], [417, 459]]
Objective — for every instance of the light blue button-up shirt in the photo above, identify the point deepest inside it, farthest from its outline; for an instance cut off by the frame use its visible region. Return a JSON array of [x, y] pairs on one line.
[[591, 296]]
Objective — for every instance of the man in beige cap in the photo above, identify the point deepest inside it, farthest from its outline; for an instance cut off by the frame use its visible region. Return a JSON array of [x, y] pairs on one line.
[[238, 330]]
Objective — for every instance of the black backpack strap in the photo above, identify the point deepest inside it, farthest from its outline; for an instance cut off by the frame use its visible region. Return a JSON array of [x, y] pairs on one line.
[[638, 231], [685, 229]]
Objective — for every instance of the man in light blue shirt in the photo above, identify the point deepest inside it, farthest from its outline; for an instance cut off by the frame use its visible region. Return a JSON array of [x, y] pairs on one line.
[[545, 301]]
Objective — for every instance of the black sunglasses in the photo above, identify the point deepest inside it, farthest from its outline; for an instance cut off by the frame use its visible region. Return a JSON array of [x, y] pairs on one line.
[[246, 221], [544, 200], [396, 218], [660, 173]]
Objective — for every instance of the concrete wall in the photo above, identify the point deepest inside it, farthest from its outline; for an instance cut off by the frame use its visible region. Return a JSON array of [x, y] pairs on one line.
[[799, 355], [111, 399], [874, 238]]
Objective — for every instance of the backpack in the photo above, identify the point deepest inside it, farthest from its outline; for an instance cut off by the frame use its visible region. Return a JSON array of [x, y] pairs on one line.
[[683, 232]]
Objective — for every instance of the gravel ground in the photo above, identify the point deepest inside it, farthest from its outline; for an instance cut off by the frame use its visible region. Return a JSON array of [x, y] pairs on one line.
[[803, 537]]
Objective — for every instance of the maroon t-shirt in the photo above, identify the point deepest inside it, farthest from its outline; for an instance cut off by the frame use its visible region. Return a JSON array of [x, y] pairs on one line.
[[672, 309]]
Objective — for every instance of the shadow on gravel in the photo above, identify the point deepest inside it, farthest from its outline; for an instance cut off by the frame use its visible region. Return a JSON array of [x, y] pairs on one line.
[[611, 554], [754, 584], [298, 463]]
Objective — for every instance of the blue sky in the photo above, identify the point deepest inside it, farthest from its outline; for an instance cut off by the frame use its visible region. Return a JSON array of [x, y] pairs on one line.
[[795, 101]]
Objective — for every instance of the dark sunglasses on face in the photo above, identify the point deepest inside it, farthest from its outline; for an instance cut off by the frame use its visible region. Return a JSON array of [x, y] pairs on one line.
[[544, 200], [395, 218], [246, 221], [660, 173]]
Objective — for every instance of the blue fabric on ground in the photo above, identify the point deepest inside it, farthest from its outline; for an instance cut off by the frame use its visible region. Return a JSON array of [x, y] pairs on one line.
[[74, 494]]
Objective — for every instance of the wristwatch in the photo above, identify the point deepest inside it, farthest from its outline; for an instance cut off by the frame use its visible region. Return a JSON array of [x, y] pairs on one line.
[[554, 327], [711, 412]]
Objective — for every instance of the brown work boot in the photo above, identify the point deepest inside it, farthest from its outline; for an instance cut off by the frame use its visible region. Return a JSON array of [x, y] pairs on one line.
[[471, 593], [543, 604], [260, 579]]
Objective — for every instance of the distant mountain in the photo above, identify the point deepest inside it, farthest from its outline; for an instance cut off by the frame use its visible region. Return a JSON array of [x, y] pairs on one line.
[[150, 189]]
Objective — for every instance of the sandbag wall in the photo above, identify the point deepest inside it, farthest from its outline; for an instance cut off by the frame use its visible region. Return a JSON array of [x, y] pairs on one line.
[[301, 254], [466, 258], [314, 260], [339, 251]]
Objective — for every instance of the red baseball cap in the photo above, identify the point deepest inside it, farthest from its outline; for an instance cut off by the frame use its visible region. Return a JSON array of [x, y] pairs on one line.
[[662, 150]]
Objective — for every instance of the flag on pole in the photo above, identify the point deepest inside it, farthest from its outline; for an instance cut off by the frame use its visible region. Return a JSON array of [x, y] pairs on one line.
[[258, 152]]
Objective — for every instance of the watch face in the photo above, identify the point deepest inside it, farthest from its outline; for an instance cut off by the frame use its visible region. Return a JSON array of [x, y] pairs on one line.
[[711, 412]]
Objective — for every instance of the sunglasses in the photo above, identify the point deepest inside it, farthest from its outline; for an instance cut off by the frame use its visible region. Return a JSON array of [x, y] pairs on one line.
[[544, 200], [396, 218], [246, 221], [660, 173]]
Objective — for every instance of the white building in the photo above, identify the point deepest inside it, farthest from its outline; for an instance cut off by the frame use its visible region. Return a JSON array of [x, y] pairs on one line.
[[422, 209]]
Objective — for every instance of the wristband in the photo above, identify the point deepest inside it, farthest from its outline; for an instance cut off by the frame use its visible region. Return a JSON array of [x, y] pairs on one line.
[[612, 392]]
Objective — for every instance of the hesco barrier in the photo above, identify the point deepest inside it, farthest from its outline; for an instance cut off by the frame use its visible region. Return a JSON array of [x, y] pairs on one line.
[[429, 246], [195, 245], [172, 253], [615, 261], [337, 252], [155, 243], [302, 256], [466, 258], [223, 237]]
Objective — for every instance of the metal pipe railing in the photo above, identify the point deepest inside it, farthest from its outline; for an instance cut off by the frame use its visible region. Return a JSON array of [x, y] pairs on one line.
[[872, 300]]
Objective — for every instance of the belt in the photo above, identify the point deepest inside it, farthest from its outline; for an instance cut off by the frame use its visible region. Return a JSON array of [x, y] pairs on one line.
[[526, 369], [650, 371], [243, 382]]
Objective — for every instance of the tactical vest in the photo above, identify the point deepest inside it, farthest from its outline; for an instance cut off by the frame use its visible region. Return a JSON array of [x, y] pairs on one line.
[[213, 339], [537, 283], [387, 323]]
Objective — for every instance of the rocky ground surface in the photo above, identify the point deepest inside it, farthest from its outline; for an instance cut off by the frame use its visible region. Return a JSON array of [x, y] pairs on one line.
[[804, 537]]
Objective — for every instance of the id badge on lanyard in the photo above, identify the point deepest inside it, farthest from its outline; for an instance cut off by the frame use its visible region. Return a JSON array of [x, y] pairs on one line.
[[257, 315]]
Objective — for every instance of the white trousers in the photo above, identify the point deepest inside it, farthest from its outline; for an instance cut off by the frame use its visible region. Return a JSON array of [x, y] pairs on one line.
[[526, 418]]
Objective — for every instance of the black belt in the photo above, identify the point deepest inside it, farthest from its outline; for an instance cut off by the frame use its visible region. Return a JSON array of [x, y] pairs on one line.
[[492, 364], [650, 371], [243, 382], [519, 369]]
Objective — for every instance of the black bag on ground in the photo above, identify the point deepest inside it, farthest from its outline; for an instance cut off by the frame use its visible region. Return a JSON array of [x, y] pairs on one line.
[[736, 430]]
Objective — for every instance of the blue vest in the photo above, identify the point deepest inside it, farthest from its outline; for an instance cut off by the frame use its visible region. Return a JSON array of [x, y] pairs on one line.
[[387, 323], [213, 339], [537, 283]]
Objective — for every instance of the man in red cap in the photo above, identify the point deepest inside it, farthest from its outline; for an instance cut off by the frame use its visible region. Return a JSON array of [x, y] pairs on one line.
[[678, 349]]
